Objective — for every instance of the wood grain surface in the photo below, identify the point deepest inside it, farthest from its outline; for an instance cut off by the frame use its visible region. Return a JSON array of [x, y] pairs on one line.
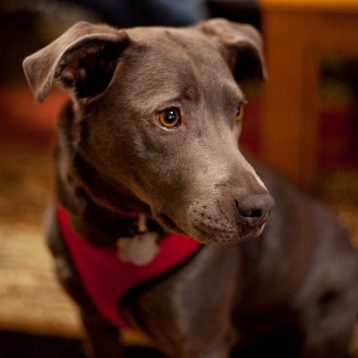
[[30, 297]]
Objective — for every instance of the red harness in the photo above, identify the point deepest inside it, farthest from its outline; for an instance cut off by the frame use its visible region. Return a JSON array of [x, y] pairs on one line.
[[107, 279]]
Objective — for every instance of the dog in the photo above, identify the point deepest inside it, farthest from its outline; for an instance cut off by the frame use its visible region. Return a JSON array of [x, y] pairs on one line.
[[147, 153]]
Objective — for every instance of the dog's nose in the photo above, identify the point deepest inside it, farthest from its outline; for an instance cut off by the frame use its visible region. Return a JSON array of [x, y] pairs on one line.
[[254, 209]]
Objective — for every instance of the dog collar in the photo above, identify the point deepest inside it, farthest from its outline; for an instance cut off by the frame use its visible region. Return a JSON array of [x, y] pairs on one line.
[[107, 278]]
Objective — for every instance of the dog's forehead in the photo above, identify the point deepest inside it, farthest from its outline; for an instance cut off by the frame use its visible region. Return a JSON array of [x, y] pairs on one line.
[[163, 62], [163, 35], [183, 44]]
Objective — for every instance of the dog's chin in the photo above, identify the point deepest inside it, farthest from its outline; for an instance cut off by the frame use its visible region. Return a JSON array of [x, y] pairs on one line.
[[210, 235], [207, 237]]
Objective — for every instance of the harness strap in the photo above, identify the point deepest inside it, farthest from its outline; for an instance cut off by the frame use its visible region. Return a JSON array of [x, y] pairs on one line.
[[107, 279]]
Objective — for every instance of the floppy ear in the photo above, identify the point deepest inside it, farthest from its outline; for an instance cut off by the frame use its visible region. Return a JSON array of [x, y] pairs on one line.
[[239, 44], [82, 60]]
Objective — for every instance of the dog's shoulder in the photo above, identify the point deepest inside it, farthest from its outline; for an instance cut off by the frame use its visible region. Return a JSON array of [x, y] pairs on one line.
[[301, 222]]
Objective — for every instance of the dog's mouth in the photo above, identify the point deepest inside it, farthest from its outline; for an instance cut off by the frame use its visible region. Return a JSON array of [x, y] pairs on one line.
[[169, 224], [252, 232], [208, 234]]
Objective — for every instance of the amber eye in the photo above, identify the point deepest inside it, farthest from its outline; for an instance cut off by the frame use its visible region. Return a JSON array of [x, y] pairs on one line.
[[239, 112], [169, 118]]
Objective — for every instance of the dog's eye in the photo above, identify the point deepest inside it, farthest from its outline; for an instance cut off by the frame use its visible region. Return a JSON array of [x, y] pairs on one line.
[[239, 112], [169, 118]]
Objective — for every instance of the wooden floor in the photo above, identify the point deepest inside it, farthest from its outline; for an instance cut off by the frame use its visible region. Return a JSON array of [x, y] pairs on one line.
[[30, 298]]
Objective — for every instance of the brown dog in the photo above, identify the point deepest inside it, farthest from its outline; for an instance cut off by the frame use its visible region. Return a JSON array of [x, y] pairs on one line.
[[153, 128]]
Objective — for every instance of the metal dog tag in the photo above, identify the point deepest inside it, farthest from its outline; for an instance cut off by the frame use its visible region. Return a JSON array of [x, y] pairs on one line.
[[140, 249]]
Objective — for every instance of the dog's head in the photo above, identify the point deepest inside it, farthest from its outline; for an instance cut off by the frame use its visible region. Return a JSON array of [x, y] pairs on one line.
[[158, 114]]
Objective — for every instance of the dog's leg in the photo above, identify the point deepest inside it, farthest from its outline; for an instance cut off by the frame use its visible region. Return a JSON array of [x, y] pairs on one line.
[[192, 307], [223, 350], [103, 337], [328, 327], [330, 300]]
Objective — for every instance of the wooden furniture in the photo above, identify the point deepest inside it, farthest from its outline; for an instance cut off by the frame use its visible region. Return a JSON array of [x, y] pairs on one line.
[[297, 34]]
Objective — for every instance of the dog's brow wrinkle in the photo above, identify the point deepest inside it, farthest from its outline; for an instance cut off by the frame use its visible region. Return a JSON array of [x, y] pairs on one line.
[[190, 93], [234, 92]]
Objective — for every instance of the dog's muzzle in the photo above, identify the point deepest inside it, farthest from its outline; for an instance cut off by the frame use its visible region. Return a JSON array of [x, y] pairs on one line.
[[235, 219]]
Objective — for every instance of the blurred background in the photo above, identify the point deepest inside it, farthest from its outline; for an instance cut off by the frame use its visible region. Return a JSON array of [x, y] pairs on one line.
[[303, 122]]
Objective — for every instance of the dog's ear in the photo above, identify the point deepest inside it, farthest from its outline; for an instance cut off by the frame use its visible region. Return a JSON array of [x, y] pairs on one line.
[[82, 60], [239, 44]]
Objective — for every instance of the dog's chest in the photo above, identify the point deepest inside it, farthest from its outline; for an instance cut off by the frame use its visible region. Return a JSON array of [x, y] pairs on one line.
[[107, 279]]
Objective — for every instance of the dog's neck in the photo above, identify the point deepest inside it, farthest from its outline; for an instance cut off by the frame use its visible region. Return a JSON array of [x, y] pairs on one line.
[[100, 223], [136, 237], [76, 171], [100, 211]]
